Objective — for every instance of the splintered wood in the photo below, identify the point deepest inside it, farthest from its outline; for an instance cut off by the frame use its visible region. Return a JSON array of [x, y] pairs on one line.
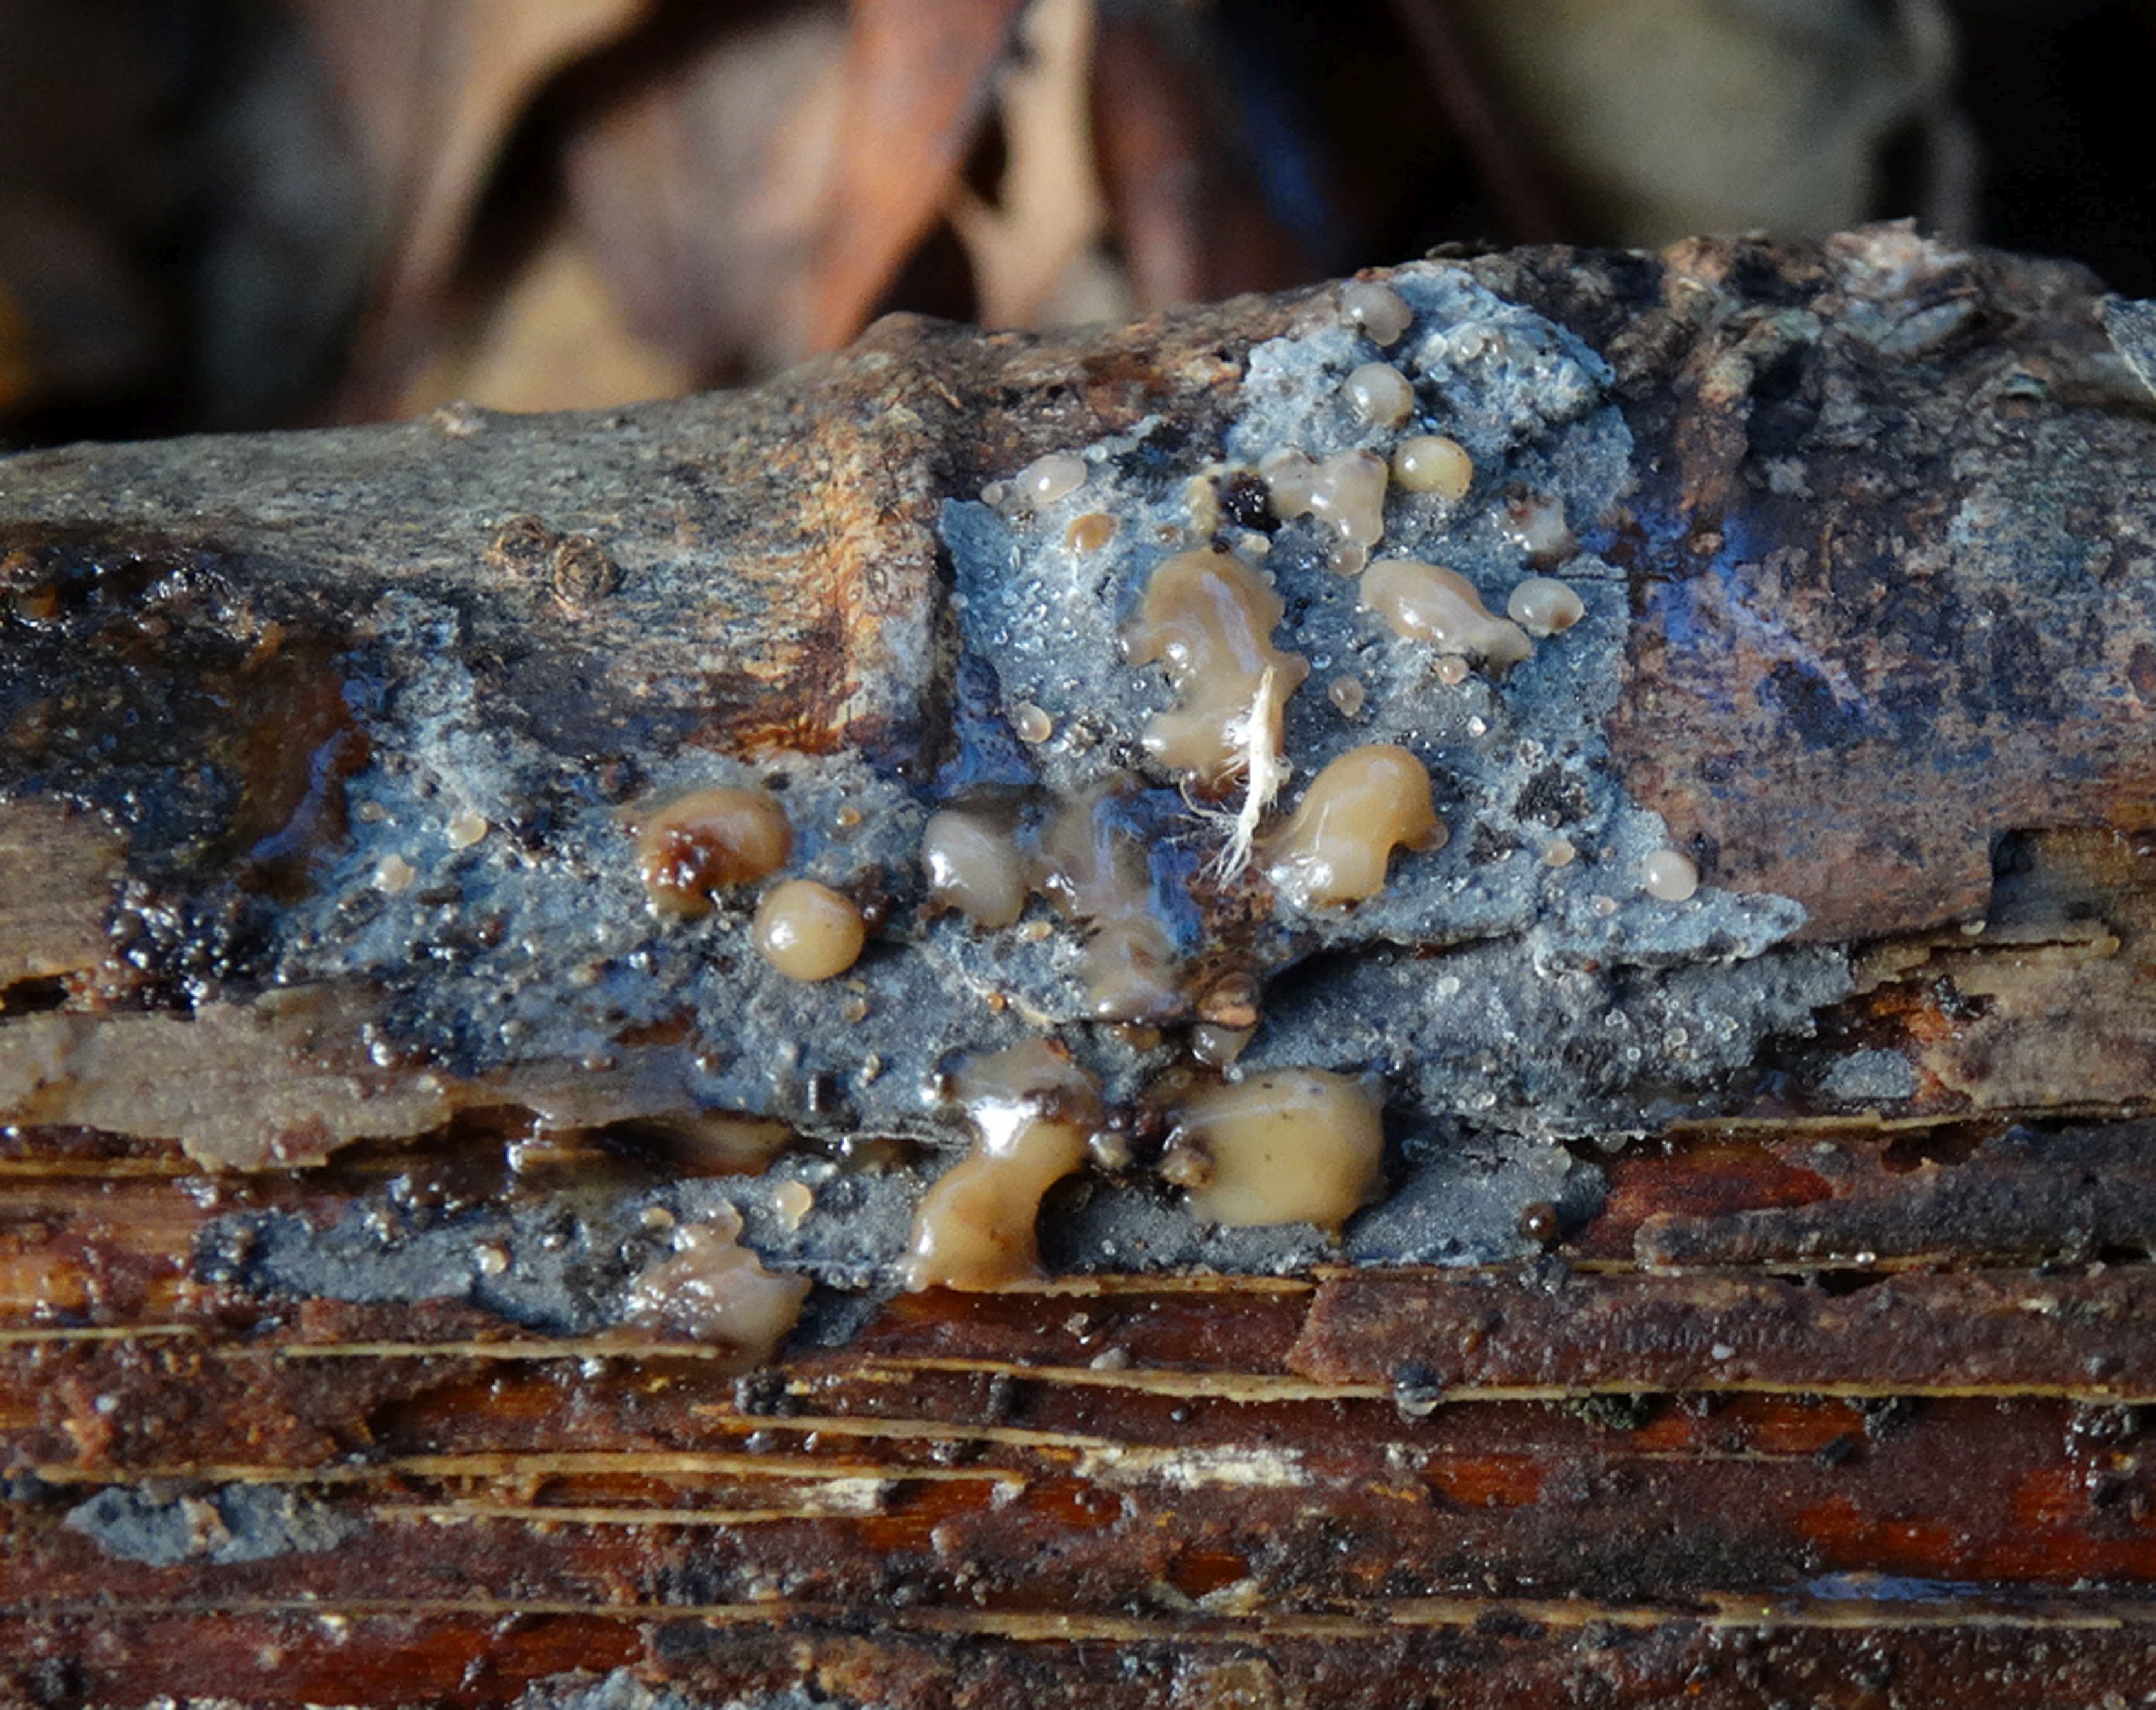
[[450, 1254]]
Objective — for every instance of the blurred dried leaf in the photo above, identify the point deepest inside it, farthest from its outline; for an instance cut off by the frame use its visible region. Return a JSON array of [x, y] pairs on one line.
[[1670, 117], [916, 82], [556, 338], [433, 88], [1034, 252], [1190, 224], [704, 192]]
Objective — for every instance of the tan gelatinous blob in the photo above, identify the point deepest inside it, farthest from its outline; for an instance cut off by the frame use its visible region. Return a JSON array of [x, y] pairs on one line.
[[1217, 1046], [1049, 480], [1535, 522], [706, 841], [1542, 606], [1289, 1146], [807, 931], [716, 1290], [791, 1203], [1337, 844], [1033, 1110], [1346, 492], [973, 866], [1433, 462], [1208, 619], [1095, 873], [1426, 603], [1089, 532], [704, 1142], [1376, 310], [1668, 876], [1379, 394]]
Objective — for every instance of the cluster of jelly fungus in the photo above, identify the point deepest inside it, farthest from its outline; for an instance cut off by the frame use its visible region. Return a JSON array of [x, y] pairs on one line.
[[807, 931], [1544, 607], [1096, 873], [1426, 603], [1286, 1145], [713, 1288], [973, 866], [1033, 1110], [1337, 844], [1208, 619], [709, 841]]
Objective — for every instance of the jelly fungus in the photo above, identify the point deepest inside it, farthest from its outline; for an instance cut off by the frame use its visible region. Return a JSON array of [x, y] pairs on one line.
[[1377, 311], [973, 866], [1338, 843], [1535, 523], [1668, 875], [716, 1290], [807, 931], [1288, 1145], [1345, 492], [1431, 463], [1089, 532], [1033, 1111], [1442, 608], [1096, 872], [1208, 619], [1049, 480], [1031, 724], [708, 841], [1544, 607], [1380, 395]]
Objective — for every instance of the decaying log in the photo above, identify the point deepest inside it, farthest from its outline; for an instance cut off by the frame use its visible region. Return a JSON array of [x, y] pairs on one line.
[[1757, 1307]]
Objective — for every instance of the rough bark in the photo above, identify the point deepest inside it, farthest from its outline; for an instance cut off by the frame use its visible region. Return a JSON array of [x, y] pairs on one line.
[[1760, 1308]]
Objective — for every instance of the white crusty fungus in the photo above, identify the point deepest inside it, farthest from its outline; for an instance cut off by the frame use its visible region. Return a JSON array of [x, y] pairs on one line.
[[1338, 843], [706, 841], [1208, 619], [716, 1290], [1289, 1146], [807, 931], [1426, 603], [1033, 1110], [1376, 310], [1544, 607], [1379, 394], [1668, 875], [973, 866], [1432, 463]]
